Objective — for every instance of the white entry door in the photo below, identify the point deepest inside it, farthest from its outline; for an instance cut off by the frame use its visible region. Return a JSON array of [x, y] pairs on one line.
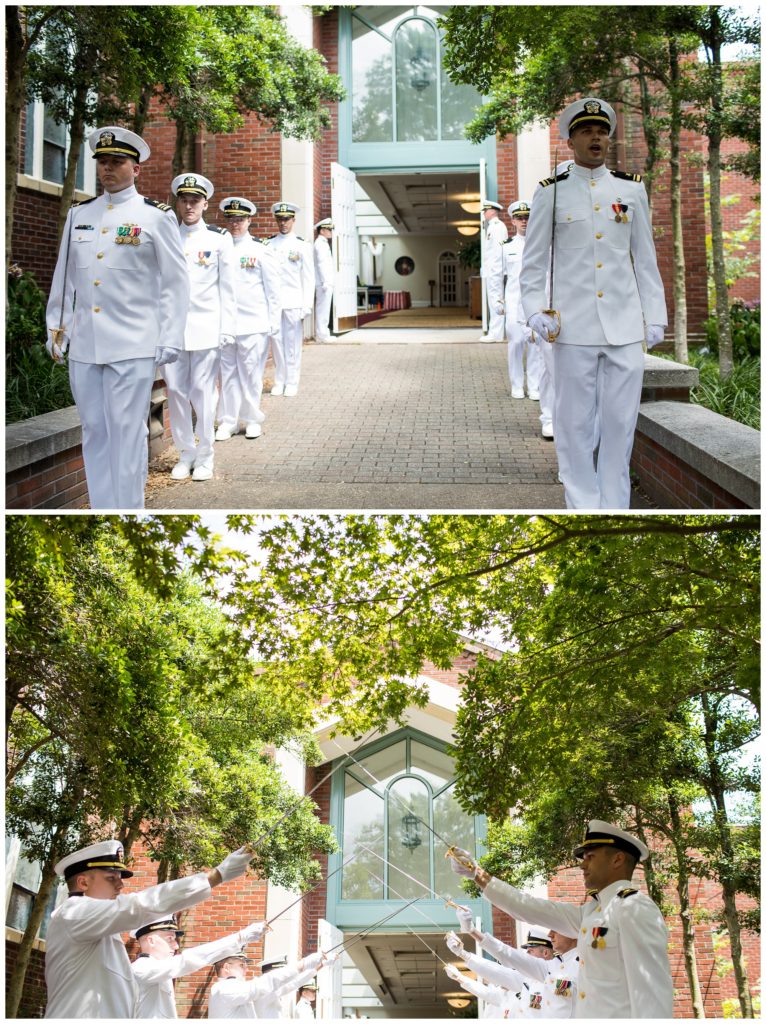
[[329, 1004], [483, 196], [345, 245]]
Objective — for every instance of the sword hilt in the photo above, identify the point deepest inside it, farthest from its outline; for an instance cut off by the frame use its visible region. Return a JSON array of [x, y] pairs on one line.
[[555, 315], [57, 340], [469, 864]]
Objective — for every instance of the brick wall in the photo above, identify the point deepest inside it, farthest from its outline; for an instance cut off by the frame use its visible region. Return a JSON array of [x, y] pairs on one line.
[[672, 483], [748, 289], [326, 150], [33, 997], [55, 482]]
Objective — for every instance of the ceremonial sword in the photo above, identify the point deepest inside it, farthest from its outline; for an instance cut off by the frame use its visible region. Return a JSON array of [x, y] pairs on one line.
[[57, 333], [553, 334]]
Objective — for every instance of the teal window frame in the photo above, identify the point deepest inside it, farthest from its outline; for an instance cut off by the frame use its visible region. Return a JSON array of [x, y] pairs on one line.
[[427, 915], [456, 156]]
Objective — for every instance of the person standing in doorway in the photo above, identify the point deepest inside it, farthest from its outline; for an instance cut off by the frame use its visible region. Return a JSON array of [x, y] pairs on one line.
[[492, 270], [325, 275]]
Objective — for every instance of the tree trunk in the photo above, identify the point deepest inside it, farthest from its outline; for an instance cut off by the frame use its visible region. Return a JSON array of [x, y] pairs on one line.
[[15, 63], [76, 129], [725, 354], [141, 111], [179, 153], [651, 135], [687, 920], [717, 793], [680, 338], [18, 975]]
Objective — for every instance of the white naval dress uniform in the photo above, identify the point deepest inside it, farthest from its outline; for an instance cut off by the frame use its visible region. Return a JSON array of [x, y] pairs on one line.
[[123, 300], [259, 311], [156, 994], [529, 995], [503, 1005], [304, 1009], [492, 271], [521, 348], [556, 978], [628, 973], [87, 970], [259, 997], [296, 259], [325, 275], [606, 287], [191, 381]]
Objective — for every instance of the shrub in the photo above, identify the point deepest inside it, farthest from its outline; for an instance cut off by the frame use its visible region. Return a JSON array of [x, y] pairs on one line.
[[738, 397], [745, 330], [34, 384]]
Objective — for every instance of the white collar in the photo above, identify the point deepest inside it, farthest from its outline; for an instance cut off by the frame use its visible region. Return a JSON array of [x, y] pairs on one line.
[[612, 889], [115, 198], [588, 172], [190, 229]]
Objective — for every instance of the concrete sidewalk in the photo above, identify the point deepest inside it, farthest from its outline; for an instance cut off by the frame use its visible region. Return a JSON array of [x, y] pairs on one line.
[[385, 426]]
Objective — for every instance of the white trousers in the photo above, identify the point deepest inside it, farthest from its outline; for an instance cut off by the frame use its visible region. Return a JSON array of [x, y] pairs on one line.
[[288, 347], [191, 382], [113, 403], [495, 295], [547, 382], [593, 381], [242, 366], [322, 322], [519, 349]]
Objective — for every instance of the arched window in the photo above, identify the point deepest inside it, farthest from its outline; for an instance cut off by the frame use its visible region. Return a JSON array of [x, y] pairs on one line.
[[394, 801]]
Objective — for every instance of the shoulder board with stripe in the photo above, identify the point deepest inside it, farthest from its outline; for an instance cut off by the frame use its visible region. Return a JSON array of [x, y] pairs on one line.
[[559, 177], [270, 238], [84, 202], [159, 206], [624, 893], [300, 239], [218, 231], [626, 175]]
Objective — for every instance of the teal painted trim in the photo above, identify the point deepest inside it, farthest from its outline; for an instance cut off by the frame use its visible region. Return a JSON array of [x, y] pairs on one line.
[[432, 916], [344, 70]]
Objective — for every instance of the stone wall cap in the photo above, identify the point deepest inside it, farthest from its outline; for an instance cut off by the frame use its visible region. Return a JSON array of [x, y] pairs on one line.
[[665, 373], [720, 449], [41, 437]]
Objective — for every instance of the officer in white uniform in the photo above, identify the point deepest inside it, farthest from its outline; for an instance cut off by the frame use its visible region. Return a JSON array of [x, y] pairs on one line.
[[304, 1008], [550, 962], [233, 996], [259, 314], [530, 996], [325, 277], [492, 270], [504, 1005], [522, 346], [87, 970], [622, 939], [118, 303], [212, 322], [159, 963], [609, 293], [296, 260]]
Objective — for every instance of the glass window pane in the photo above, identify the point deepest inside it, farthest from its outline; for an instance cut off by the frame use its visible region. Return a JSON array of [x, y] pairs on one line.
[[384, 18], [29, 140], [416, 82], [362, 826], [53, 163], [454, 825], [28, 874], [19, 909], [459, 105], [383, 766], [48, 911], [434, 765], [371, 114], [408, 839]]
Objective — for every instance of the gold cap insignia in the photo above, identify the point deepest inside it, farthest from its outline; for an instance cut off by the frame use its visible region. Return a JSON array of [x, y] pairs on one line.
[[592, 107]]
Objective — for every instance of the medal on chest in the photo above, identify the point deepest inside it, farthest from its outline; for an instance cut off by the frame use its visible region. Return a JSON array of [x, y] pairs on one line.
[[128, 234], [563, 987], [535, 1000], [599, 942], [293, 256], [620, 212], [248, 261], [203, 259]]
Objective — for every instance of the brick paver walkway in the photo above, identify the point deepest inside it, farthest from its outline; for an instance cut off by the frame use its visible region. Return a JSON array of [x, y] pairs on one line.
[[385, 424]]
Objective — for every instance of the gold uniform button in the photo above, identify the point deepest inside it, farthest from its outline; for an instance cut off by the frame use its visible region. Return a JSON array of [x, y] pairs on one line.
[[110, 206], [582, 995], [599, 235], [97, 309], [599, 265], [601, 295], [99, 255], [592, 183], [104, 231], [583, 931], [97, 283], [596, 207]]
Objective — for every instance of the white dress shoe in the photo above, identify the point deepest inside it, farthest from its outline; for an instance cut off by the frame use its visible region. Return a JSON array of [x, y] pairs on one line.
[[486, 337], [202, 473], [181, 471], [278, 389], [223, 433], [253, 430], [547, 430], [517, 392], [291, 390], [534, 396]]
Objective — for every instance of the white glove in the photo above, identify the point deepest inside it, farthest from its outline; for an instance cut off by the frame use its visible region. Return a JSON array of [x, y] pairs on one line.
[[465, 918], [56, 349], [330, 958], [541, 324], [311, 963], [500, 307], [452, 972], [461, 869], [252, 933], [454, 945], [164, 355], [654, 335], [227, 339], [235, 864]]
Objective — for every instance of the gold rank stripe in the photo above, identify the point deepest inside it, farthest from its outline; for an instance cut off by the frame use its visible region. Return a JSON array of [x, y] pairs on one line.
[[590, 842], [106, 864], [115, 149]]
